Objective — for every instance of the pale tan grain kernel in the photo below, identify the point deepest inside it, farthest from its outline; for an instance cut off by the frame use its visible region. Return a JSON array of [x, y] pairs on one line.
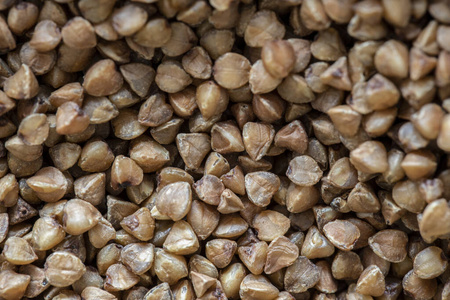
[[443, 140], [174, 200], [262, 27], [181, 40], [254, 256], [304, 170], [430, 263], [13, 285], [342, 234], [301, 275], [212, 99], [314, 16], [195, 14], [268, 107], [260, 80], [7, 42], [398, 13], [18, 251], [257, 287], [371, 282], [220, 251], [328, 46], [69, 92], [261, 186], [63, 261], [278, 58], [119, 278], [231, 278], [182, 239], [216, 164], [102, 79], [79, 216], [226, 138], [234, 180], [257, 145], [22, 85], [171, 77], [417, 287], [79, 33]]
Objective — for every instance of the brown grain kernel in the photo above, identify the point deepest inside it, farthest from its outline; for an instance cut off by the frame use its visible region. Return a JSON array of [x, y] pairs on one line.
[[166, 132], [407, 196], [181, 40], [174, 200], [417, 287], [13, 285], [389, 244], [49, 184], [369, 157], [220, 251], [261, 186], [229, 202], [342, 234], [234, 180], [71, 119], [181, 239], [119, 278], [171, 77], [216, 164], [197, 63], [304, 170], [371, 282], [79, 33], [270, 225], [79, 216], [22, 17], [59, 261], [7, 42], [301, 275], [140, 224], [231, 70], [195, 14], [260, 80], [280, 253], [193, 148], [231, 278], [211, 99], [443, 140], [101, 234], [102, 79], [257, 287], [430, 263], [262, 27], [278, 58], [226, 138], [22, 85], [69, 92], [254, 256]]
